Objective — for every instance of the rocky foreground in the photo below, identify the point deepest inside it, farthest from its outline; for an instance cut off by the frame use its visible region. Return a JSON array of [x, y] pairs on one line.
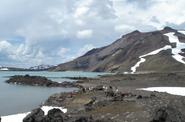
[[37, 81], [116, 99], [103, 104]]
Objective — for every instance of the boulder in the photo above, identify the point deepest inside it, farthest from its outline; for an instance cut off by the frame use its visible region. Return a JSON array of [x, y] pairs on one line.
[[84, 119], [118, 97], [109, 91], [36, 115], [167, 114], [99, 87], [89, 106], [54, 115]]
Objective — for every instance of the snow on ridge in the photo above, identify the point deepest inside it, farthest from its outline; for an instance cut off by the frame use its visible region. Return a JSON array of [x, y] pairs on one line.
[[175, 50], [171, 90], [178, 49], [142, 59], [21, 116]]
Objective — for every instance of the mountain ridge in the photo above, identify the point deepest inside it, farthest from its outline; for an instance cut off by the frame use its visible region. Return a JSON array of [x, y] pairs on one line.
[[123, 54]]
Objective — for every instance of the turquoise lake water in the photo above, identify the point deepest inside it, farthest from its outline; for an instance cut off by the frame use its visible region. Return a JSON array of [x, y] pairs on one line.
[[17, 99]]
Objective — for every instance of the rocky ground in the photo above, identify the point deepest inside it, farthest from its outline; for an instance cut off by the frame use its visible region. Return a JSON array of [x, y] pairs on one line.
[[115, 98]]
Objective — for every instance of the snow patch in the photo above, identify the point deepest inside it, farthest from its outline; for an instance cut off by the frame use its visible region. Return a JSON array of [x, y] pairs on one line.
[[142, 59], [21, 116], [175, 50], [171, 90], [178, 49], [14, 118]]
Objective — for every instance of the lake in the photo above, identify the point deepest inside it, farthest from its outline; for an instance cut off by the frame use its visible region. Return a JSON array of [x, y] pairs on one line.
[[17, 99]]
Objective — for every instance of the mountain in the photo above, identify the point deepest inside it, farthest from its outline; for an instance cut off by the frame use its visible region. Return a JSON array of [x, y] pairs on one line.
[[5, 68], [40, 67], [157, 51]]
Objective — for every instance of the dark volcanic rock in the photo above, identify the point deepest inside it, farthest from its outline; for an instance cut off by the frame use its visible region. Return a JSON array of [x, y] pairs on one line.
[[89, 106], [84, 119], [54, 115], [36, 115], [109, 91], [58, 99], [37, 81], [118, 97], [99, 87], [168, 114], [91, 119]]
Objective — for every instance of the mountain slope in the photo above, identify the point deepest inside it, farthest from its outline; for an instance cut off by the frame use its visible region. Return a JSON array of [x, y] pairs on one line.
[[126, 52]]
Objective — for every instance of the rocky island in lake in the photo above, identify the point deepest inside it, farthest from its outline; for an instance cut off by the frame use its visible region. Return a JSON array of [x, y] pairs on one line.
[[38, 81]]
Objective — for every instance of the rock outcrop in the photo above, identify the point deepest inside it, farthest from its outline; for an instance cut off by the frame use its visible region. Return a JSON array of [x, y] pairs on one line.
[[37, 115], [54, 115], [167, 114], [38, 81]]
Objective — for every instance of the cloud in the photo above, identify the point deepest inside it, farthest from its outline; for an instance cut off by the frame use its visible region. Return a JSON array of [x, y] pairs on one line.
[[84, 34], [4, 45], [39, 31], [62, 51]]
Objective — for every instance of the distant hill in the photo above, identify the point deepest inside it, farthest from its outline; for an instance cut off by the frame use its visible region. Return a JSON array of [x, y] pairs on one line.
[[40, 67], [157, 51], [4, 68]]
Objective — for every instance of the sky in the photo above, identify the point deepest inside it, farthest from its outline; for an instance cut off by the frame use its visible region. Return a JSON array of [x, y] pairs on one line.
[[34, 32]]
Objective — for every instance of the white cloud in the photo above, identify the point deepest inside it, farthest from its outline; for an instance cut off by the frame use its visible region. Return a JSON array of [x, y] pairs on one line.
[[81, 11], [62, 52], [83, 34], [4, 45], [124, 28]]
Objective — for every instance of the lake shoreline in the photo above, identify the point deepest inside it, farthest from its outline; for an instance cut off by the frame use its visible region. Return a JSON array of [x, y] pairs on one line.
[[100, 96], [23, 98]]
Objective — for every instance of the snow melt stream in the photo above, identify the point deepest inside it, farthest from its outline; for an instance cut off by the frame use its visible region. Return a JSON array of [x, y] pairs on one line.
[[175, 50], [20, 117]]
